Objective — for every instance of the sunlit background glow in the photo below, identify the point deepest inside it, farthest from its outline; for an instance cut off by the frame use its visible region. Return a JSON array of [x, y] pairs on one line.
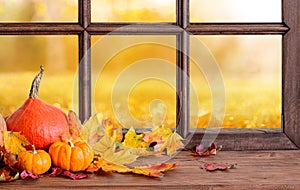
[[251, 65]]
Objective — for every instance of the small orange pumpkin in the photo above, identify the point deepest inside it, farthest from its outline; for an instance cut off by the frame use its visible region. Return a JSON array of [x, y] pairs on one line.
[[71, 156], [34, 161]]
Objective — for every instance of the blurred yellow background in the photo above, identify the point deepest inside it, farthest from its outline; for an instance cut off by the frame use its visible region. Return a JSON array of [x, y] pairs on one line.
[[251, 65]]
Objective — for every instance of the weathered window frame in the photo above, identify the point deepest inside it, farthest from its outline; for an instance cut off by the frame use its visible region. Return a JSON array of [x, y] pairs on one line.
[[231, 139]]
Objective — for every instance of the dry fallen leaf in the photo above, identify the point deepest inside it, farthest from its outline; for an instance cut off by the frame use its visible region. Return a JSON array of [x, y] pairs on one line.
[[26, 174], [75, 176], [111, 130], [3, 127], [14, 142], [7, 175], [172, 143], [106, 148], [217, 166], [134, 140], [158, 134], [199, 150], [75, 125], [153, 170], [91, 131]]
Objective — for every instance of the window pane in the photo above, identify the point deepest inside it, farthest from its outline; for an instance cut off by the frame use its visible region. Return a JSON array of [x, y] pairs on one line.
[[20, 59], [251, 69], [235, 10], [134, 80], [133, 10], [38, 10]]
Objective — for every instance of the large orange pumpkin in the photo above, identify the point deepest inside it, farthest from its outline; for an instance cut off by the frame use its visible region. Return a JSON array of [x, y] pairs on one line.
[[41, 123], [35, 161], [71, 156]]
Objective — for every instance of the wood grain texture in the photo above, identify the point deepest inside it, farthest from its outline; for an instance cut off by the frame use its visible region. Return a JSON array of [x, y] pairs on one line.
[[182, 13], [243, 141], [254, 170], [133, 29], [84, 79], [291, 68], [40, 28], [237, 28], [183, 83], [84, 13]]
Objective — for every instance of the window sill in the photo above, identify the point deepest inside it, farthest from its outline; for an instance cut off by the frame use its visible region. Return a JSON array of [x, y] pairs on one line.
[[254, 170]]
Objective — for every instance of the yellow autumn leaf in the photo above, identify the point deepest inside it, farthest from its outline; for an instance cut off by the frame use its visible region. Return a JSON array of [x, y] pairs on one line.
[[91, 131], [106, 148], [133, 140], [158, 134], [14, 142], [111, 130], [172, 143], [111, 167], [152, 170], [105, 143]]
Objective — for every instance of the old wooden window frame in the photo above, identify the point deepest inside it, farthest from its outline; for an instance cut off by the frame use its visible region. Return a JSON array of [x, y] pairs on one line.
[[232, 139]]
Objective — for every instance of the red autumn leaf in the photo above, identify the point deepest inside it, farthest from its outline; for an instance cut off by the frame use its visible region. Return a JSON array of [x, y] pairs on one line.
[[56, 171], [9, 158], [7, 175], [217, 166], [76, 176], [26, 174], [201, 152]]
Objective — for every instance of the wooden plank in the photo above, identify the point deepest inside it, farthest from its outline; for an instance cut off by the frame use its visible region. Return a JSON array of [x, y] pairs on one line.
[[237, 28], [254, 170], [244, 141], [40, 28], [291, 68]]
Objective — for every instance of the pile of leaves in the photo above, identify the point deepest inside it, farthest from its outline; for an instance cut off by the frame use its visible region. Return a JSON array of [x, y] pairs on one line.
[[114, 152]]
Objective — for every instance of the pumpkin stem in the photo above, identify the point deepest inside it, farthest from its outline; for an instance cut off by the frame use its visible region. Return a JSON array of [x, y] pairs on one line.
[[33, 149], [34, 91], [71, 144]]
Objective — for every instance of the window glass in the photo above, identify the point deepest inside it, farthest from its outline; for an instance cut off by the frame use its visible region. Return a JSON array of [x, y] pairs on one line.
[[133, 10], [251, 71], [38, 10], [134, 80], [20, 59], [235, 10]]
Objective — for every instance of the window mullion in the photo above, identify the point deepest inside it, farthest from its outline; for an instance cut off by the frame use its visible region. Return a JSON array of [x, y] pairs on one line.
[[182, 71], [84, 68], [84, 13]]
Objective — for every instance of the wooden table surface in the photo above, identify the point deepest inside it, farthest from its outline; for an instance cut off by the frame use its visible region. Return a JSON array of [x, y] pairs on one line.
[[254, 170]]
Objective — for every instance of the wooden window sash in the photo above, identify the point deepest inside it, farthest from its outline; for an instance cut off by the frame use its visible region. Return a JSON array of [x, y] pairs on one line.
[[232, 139]]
